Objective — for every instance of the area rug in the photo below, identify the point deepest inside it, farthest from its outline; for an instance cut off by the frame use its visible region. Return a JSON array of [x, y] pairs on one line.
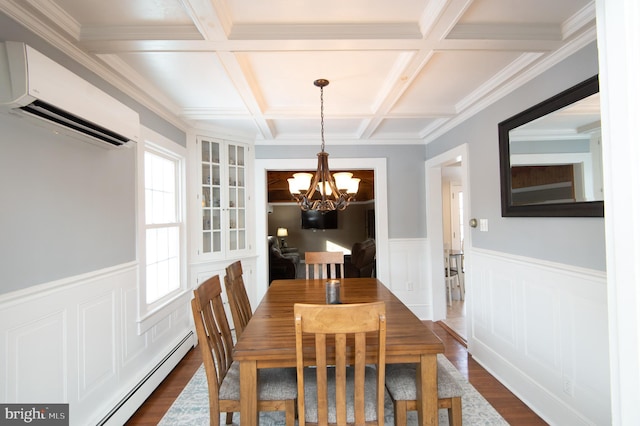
[[191, 408]]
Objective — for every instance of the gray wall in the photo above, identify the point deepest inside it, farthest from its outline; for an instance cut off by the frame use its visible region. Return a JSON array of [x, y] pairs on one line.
[[66, 206], [573, 241], [405, 179]]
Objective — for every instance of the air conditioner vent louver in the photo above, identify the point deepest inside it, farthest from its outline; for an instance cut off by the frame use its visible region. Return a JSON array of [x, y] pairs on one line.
[[51, 113]]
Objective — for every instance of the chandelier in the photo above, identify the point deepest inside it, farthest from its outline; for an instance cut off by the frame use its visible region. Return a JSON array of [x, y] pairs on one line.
[[323, 191]]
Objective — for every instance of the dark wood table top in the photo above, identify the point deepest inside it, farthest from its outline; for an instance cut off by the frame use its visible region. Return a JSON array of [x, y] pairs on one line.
[[269, 338]]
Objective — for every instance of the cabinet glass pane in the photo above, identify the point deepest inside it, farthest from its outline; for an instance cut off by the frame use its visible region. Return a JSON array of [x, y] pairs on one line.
[[206, 151], [233, 202], [240, 176], [215, 174], [233, 222], [215, 152], [206, 197], [206, 242], [233, 240], [215, 220], [240, 202], [206, 174], [216, 243], [206, 220], [241, 223], [232, 155], [215, 197], [240, 156], [233, 181], [242, 240]]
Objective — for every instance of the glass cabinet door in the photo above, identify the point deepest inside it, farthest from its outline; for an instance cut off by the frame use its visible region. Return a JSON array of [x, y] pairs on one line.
[[224, 196], [211, 197], [237, 194]]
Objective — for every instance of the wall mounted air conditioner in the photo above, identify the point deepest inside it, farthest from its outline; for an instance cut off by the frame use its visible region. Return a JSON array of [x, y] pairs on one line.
[[33, 84]]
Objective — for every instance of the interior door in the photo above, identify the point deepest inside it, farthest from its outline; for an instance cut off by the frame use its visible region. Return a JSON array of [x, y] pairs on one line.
[[457, 205]]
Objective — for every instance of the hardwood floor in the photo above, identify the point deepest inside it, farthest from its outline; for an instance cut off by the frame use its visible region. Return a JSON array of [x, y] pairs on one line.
[[456, 318], [507, 404]]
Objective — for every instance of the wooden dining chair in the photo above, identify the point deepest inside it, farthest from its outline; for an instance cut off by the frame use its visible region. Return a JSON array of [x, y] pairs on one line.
[[321, 262], [401, 384], [239, 303], [451, 276], [330, 337], [277, 386]]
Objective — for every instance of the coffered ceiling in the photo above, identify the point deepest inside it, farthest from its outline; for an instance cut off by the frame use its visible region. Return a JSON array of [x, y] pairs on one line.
[[401, 71]]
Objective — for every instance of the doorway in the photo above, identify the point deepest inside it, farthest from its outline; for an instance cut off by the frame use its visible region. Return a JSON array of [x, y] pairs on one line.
[[439, 188], [453, 246], [380, 216]]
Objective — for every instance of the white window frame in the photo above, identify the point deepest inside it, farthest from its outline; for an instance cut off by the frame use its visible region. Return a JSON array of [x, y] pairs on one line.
[[150, 314]]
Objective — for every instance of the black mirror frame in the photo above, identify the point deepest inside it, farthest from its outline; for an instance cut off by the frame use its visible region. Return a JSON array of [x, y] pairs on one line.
[[578, 209]]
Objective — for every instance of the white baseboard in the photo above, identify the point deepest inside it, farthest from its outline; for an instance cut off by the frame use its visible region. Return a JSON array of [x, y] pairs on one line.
[[136, 397]]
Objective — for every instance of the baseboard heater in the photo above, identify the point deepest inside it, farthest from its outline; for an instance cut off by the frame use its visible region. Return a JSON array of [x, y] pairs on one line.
[[144, 380]]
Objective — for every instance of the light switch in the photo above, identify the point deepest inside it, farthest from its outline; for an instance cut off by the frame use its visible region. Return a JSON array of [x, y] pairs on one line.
[[484, 225]]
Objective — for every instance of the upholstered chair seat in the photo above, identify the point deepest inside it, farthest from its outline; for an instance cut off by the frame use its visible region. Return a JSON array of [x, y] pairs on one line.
[[274, 384], [400, 380]]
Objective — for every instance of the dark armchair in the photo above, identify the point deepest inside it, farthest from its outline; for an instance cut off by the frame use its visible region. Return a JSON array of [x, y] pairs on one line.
[[362, 261], [281, 266]]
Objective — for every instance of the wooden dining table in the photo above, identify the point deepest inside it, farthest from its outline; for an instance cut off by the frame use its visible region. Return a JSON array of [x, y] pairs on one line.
[[268, 341]]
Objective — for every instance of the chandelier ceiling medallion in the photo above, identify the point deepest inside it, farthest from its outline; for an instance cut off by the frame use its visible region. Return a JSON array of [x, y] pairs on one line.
[[323, 191]]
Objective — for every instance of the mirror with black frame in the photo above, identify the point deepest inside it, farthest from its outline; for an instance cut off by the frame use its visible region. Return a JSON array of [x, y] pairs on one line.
[[551, 156]]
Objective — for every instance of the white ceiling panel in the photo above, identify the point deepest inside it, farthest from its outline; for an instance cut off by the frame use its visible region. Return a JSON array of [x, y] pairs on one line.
[[451, 76], [193, 80], [522, 11], [125, 12], [286, 80], [334, 11]]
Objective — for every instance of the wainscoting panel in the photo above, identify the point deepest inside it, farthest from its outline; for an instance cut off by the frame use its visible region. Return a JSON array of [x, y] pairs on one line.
[[97, 363], [75, 341], [45, 340], [408, 260], [541, 329]]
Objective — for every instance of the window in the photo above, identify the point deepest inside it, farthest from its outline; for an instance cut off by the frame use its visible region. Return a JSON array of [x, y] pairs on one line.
[[162, 224], [162, 234]]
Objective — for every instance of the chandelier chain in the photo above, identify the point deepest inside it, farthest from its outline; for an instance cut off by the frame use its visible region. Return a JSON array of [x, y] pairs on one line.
[[322, 117]]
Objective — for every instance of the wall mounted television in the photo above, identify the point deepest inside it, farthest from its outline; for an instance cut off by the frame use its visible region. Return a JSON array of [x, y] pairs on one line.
[[312, 219]]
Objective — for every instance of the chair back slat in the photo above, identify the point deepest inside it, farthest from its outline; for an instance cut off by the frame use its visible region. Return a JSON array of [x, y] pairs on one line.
[[239, 303], [341, 344], [321, 262]]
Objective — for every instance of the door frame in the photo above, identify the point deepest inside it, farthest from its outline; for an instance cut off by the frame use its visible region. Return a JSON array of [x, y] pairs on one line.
[[379, 167], [435, 239]]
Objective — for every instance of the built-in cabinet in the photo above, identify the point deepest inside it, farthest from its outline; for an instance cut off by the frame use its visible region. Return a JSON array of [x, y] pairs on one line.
[[221, 209], [223, 198]]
